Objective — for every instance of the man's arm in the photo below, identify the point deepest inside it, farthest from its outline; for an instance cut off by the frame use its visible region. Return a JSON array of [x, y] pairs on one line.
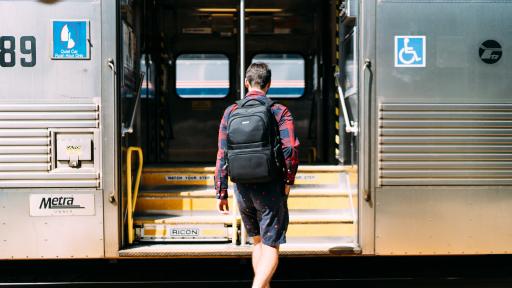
[[221, 173], [289, 144]]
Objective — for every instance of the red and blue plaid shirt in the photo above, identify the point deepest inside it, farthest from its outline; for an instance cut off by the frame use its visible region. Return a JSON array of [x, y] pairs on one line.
[[289, 144]]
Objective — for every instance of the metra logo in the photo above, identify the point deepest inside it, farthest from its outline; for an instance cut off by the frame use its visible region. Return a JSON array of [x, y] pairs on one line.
[[58, 203]]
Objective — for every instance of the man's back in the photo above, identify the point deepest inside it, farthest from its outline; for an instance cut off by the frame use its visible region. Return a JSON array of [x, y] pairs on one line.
[[289, 144]]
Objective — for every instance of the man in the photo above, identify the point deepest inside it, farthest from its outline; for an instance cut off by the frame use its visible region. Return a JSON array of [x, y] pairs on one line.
[[263, 206]]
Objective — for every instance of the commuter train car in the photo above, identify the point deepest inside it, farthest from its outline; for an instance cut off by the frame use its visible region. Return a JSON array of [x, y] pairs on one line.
[[109, 114]]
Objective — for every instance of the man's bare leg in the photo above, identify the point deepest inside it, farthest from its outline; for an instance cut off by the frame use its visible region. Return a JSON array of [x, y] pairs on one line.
[[266, 266], [256, 252]]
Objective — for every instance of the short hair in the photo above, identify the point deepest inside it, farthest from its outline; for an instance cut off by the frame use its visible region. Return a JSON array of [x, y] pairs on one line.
[[258, 74]]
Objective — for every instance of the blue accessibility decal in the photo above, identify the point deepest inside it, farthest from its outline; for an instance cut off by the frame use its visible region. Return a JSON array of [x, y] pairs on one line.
[[70, 39], [410, 51]]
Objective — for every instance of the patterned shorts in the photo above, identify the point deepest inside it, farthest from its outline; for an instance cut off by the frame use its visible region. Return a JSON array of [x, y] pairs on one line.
[[264, 211]]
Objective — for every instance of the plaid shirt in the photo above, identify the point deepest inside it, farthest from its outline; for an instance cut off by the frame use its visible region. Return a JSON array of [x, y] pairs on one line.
[[289, 144]]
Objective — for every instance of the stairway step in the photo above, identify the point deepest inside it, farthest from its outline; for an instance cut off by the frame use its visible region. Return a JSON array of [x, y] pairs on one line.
[[303, 216], [321, 216], [296, 246], [180, 191], [183, 217], [148, 203], [211, 169], [184, 233], [192, 176], [208, 192], [176, 203], [323, 230]]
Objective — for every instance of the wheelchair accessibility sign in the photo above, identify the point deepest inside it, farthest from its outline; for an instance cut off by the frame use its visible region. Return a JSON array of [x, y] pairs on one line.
[[410, 51], [70, 39]]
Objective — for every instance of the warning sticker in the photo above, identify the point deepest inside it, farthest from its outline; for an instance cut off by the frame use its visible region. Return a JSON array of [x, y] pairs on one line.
[[188, 178]]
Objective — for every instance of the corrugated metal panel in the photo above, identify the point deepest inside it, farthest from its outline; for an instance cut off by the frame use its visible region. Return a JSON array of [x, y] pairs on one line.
[[28, 141], [439, 144], [25, 167], [48, 116], [24, 133], [49, 183], [48, 176], [51, 124], [25, 144], [48, 107], [16, 158]]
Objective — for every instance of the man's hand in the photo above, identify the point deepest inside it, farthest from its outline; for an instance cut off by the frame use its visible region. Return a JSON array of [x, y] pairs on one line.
[[287, 189], [222, 206]]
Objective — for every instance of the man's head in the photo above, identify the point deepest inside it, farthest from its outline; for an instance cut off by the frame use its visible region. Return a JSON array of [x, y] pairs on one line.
[[258, 77]]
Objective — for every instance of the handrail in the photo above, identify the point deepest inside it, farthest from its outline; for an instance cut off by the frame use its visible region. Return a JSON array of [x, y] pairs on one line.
[[368, 90], [128, 130], [351, 126], [132, 199], [112, 65]]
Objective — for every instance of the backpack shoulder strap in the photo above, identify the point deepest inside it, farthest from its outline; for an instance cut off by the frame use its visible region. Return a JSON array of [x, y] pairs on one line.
[[269, 103], [243, 102]]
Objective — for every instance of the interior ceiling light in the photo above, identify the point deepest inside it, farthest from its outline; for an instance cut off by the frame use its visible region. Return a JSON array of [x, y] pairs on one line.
[[264, 10], [233, 10], [217, 10], [222, 15]]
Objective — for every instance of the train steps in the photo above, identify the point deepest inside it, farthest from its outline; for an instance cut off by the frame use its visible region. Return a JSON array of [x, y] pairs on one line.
[[177, 205]]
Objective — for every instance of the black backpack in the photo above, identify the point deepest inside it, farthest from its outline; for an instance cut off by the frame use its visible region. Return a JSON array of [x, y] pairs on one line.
[[253, 151]]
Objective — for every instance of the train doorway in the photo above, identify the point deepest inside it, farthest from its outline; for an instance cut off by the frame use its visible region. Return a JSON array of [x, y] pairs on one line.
[[182, 64]]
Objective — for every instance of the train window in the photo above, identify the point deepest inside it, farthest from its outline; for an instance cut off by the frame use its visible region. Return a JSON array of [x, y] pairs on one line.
[[202, 76], [287, 74]]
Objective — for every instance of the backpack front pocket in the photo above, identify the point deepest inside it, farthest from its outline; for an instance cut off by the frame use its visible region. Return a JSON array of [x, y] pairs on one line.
[[250, 165]]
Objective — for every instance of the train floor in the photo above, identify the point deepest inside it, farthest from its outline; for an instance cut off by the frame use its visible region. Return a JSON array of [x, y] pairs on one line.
[[347, 271]]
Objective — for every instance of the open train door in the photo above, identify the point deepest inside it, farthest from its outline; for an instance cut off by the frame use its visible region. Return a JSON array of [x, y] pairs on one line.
[[440, 114], [200, 58], [57, 127]]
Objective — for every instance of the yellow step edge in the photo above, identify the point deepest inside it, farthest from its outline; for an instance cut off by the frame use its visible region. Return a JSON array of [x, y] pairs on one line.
[[147, 204], [307, 216], [319, 219], [211, 169], [192, 220], [195, 179], [295, 230], [162, 231], [296, 191], [319, 230], [209, 193], [153, 203]]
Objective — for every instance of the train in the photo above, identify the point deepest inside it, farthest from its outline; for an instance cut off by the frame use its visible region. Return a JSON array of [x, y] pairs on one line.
[[110, 110]]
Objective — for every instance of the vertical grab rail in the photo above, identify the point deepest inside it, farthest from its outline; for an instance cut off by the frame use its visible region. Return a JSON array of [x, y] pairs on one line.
[[132, 199], [368, 90]]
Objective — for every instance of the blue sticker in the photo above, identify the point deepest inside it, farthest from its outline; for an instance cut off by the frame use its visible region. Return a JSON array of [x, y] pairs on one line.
[[410, 51], [70, 39]]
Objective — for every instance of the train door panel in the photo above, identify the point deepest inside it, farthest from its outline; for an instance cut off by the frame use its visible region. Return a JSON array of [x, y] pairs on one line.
[[290, 73], [191, 105], [50, 129], [289, 44], [348, 79], [442, 127], [203, 89], [199, 52]]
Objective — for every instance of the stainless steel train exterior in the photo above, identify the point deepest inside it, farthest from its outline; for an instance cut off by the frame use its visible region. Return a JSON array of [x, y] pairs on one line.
[[431, 101]]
